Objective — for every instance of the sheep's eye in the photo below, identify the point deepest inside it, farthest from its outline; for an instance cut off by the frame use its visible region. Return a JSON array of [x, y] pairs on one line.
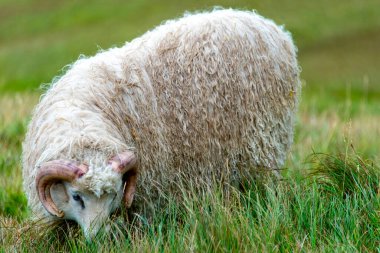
[[76, 197]]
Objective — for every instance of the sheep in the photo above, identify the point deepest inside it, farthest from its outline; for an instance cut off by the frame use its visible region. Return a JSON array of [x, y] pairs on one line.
[[209, 95]]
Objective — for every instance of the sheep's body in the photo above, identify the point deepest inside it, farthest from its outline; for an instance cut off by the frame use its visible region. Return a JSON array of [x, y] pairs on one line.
[[211, 94]]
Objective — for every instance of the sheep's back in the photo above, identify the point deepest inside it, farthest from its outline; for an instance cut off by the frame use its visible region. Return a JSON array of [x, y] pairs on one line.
[[225, 90], [226, 86]]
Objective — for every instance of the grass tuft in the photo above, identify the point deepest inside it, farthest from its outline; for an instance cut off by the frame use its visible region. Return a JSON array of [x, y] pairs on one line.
[[346, 175]]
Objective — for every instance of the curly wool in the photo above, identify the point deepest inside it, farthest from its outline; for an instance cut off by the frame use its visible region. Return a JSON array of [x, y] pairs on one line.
[[101, 178], [211, 94]]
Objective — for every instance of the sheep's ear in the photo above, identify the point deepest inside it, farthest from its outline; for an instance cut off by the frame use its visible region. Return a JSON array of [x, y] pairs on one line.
[[59, 194], [130, 181]]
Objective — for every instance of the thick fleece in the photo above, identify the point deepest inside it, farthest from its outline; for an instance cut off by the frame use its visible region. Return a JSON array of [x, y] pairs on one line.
[[210, 95]]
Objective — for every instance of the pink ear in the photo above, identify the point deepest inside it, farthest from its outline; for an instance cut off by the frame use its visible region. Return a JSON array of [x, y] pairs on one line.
[[126, 164], [130, 187]]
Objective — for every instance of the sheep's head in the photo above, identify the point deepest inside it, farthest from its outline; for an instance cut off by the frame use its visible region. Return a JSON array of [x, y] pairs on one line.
[[63, 194]]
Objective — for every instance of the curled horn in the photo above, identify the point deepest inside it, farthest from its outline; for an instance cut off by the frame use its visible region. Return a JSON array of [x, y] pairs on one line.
[[51, 172], [126, 164]]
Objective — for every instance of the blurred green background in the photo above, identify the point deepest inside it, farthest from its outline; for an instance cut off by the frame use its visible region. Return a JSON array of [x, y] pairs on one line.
[[338, 41]]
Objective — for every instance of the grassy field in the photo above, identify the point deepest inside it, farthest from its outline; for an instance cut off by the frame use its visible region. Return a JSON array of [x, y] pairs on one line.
[[329, 197]]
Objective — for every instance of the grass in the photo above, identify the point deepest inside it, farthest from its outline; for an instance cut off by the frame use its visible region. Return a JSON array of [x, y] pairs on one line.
[[334, 208], [329, 197]]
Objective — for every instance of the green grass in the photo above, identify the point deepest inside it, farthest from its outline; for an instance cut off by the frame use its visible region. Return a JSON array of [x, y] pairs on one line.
[[333, 208], [329, 197]]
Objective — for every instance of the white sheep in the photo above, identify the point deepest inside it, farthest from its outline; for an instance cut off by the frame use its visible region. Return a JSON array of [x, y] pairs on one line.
[[210, 95]]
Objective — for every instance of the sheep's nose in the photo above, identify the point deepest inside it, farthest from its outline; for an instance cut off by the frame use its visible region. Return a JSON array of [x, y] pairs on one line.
[[91, 232], [91, 229], [107, 228]]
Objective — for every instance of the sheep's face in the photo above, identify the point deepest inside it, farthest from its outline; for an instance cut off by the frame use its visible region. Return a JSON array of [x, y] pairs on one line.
[[87, 194], [85, 207]]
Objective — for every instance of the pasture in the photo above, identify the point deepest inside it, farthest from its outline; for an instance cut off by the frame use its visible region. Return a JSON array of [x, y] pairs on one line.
[[329, 196]]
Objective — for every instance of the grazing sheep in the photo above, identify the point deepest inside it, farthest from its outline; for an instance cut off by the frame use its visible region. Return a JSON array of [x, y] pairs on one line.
[[210, 95]]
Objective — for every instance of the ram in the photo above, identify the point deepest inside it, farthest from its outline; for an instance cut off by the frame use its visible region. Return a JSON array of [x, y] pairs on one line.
[[210, 95]]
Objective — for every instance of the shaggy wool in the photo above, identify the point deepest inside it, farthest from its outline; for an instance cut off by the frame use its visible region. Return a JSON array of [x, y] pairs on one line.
[[210, 95]]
